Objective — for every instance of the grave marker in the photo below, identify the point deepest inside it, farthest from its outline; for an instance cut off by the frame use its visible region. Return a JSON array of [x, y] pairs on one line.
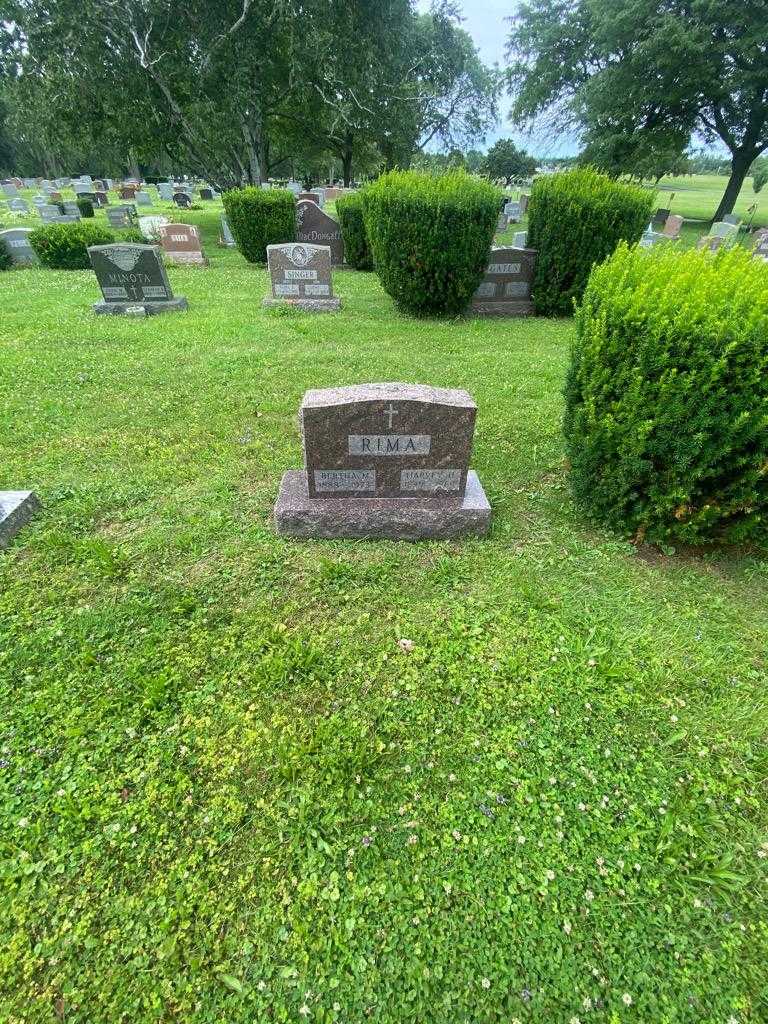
[[314, 227], [16, 509], [384, 460], [226, 238], [121, 216], [132, 275], [18, 246], [181, 244], [506, 286], [300, 276]]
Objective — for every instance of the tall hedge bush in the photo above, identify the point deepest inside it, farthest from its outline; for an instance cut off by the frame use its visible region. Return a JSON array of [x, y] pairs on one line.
[[260, 217], [5, 257], [666, 421], [65, 246], [430, 237], [575, 219], [85, 206], [357, 252]]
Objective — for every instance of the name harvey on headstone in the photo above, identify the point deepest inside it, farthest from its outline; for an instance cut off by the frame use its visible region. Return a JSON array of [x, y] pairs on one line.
[[132, 276], [300, 276], [317, 228], [384, 460], [506, 286]]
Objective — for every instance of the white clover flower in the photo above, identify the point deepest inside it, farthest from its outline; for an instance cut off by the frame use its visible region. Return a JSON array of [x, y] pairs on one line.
[[23, 822], [486, 983], [589, 895], [521, 840], [626, 999], [550, 875], [567, 927]]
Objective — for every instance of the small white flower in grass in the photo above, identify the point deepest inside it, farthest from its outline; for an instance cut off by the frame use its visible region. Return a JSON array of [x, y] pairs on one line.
[[574, 1020], [521, 840], [486, 983], [304, 1010], [567, 927], [760, 853], [626, 999], [412, 839], [697, 903], [733, 1020], [550, 875], [451, 777], [582, 807], [586, 1003], [23, 822], [456, 834], [261, 986], [591, 662], [589, 895], [406, 645]]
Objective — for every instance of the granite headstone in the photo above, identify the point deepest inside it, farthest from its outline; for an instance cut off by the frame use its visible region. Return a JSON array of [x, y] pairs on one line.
[[18, 246], [132, 278], [300, 276], [181, 244], [16, 509], [506, 286], [314, 227]]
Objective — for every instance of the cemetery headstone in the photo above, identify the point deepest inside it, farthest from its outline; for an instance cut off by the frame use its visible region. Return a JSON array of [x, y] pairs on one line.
[[10, 190], [731, 218], [312, 197], [182, 200], [127, 192], [384, 460], [72, 209], [16, 510], [18, 246], [18, 206], [512, 211], [294, 186], [132, 275], [143, 198], [501, 223], [226, 238], [672, 226], [314, 227], [165, 191], [300, 276], [660, 218], [519, 239], [49, 213], [206, 193], [181, 244], [121, 216], [524, 200], [150, 226], [761, 247], [506, 286]]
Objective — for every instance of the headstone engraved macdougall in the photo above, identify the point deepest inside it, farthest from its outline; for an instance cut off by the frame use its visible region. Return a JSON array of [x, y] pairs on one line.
[[300, 275], [505, 289], [131, 275], [384, 460], [314, 227]]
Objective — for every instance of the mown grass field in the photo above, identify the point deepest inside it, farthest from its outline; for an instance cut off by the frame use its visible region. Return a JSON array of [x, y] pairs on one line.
[[228, 794]]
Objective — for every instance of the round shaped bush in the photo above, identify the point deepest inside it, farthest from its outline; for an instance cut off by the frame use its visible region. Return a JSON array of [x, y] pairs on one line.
[[65, 246], [430, 237], [85, 206], [356, 250], [260, 217], [667, 396], [575, 219]]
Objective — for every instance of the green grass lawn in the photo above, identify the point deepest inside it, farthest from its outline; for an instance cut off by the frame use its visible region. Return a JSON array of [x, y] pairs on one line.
[[228, 795]]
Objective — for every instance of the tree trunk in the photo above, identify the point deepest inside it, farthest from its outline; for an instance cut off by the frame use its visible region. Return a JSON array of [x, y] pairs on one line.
[[133, 165], [741, 161], [346, 160]]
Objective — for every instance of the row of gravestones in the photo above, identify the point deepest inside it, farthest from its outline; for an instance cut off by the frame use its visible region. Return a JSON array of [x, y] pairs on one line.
[[385, 460]]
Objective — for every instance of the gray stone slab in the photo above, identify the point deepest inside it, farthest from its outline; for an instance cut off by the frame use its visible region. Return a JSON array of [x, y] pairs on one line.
[[16, 509], [149, 308], [412, 519]]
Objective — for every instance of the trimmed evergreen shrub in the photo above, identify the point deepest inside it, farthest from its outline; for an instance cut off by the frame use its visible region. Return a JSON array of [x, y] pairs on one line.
[[5, 257], [666, 421], [356, 250], [575, 219], [65, 246], [260, 217], [85, 206], [430, 237]]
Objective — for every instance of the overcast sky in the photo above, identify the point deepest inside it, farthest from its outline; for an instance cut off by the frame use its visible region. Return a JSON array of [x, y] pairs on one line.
[[485, 20]]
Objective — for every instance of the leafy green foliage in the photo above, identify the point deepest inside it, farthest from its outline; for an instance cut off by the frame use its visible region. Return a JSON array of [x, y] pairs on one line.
[[430, 237], [575, 219], [759, 178], [85, 206], [260, 217], [65, 246], [504, 161], [666, 395], [349, 210], [5, 257]]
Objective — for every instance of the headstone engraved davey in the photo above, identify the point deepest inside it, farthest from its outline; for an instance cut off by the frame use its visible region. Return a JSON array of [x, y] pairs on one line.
[[300, 276], [16, 509], [18, 246], [506, 286], [181, 244], [315, 227], [384, 460], [131, 275]]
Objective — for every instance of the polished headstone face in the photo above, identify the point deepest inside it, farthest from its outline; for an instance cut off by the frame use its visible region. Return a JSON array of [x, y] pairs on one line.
[[672, 226], [130, 273], [121, 216], [506, 286], [181, 243], [182, 199], [317, 228], [206, 193], [299, 271], [387, 441], [18, 245]]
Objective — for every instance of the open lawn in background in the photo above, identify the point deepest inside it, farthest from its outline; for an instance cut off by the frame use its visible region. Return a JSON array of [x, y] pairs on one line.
[[230, 794]]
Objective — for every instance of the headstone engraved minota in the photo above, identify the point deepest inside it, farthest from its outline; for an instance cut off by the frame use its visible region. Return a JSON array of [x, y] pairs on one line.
[[384, 460], [131, 275], [300, 276], [506, 286], [315, 227], [16, 509]]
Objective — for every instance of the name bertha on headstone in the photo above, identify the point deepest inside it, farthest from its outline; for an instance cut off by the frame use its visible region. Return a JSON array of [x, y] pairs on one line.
[[132, 278], [384, 460], [300, 276]]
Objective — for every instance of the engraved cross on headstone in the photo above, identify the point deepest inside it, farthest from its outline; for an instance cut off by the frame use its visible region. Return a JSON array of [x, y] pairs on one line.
[[390, 412]]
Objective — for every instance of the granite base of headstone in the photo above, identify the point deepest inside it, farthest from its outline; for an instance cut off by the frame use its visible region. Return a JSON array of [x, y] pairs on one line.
[[16, 510], [384, 461], [132, 278], [300, 276], [507, 283]]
